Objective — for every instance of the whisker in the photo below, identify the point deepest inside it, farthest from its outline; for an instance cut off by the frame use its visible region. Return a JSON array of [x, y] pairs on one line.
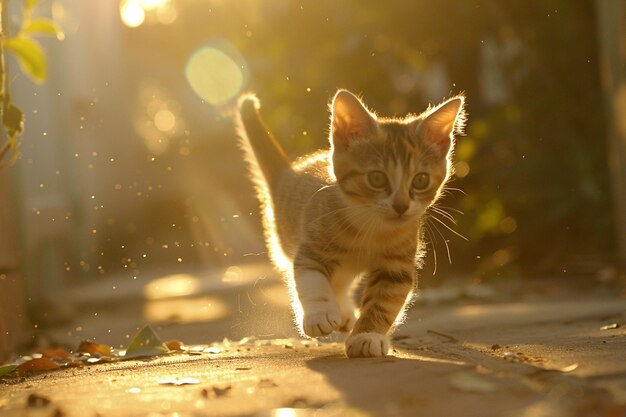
[[433, 239], [451, 208], [444, 213], [454, 189], [444, 240], [449, 228]]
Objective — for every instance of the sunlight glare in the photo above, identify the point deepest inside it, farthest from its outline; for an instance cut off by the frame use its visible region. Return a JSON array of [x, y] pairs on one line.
[[232, 275], [132, 14], [185, 310], [171, 286], [215, 75], [284, 412], [153, 4]]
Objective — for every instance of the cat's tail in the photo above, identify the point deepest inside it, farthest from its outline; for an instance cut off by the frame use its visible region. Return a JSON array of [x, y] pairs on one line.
[[262, 149]]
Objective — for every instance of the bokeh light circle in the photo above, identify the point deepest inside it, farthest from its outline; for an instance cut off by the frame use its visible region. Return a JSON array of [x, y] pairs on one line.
[[132, 14], [216, 72]]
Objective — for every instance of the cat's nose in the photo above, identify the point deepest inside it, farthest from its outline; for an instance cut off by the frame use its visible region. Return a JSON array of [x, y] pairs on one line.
[[400, 208]]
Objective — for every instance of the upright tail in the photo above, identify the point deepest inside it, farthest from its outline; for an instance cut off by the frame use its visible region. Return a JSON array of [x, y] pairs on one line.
[[262, 149]]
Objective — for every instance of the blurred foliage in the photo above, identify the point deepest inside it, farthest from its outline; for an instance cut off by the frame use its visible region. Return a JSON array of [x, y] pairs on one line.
[[33, 63], [537, 188], [532, 165]]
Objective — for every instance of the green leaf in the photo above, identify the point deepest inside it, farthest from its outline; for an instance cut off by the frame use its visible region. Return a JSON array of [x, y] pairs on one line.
[[5, 369], [44, 26], [13, 120], [145, 343], [30, 55]]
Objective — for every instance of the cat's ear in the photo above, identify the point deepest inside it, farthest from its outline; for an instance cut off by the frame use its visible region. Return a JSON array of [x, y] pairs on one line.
[[350, 120], [442, 122]]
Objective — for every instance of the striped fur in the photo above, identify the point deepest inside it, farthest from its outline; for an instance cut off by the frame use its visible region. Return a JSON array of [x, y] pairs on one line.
[[352, 211]]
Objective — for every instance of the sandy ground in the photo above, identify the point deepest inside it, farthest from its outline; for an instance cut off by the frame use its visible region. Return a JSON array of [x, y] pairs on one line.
[[533, 357]]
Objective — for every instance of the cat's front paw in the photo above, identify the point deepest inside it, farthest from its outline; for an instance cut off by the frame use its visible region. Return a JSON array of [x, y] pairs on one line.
[[321, 320], [347, 322], [367, 345]]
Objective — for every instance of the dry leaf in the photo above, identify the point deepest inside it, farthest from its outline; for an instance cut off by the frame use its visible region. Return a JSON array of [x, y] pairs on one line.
[[36, 400], [58, 353], [610, 326], [178, 381], [174, 344], [38, 364], [93, 348], [220, 392], [267, 383]]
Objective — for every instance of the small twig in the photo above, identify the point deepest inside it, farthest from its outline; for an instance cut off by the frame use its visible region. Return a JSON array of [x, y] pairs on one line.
[[446, 336], [5, 149]]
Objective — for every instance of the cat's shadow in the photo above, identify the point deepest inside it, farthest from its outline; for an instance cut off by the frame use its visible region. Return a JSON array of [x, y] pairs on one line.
[[384, 386]]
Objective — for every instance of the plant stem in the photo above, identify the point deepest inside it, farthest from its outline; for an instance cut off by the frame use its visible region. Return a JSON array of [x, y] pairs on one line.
[[7, 145]]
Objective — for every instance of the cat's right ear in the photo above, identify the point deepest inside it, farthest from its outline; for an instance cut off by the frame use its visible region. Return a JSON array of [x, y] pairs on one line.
[[350, 120]]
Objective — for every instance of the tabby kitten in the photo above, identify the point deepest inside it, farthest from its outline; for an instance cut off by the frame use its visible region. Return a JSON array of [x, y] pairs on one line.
[[353, 211]]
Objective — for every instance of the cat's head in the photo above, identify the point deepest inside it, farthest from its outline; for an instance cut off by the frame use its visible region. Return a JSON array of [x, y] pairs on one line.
[[396, 167]]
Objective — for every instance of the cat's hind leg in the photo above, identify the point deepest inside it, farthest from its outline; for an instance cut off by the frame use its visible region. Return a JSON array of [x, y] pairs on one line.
[[342, 282], [383, 299]]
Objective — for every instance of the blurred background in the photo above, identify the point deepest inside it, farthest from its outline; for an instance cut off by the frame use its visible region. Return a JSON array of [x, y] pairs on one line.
[[130, 183]]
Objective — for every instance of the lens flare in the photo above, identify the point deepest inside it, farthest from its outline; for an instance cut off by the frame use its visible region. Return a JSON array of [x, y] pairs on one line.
[[216, 73], [132, 14]]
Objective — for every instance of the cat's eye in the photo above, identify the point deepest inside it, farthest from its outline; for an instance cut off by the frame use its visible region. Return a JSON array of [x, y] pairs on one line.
[[421, 181], [377, 179]]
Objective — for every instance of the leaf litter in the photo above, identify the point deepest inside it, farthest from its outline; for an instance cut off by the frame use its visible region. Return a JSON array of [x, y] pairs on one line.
[[146, 343]]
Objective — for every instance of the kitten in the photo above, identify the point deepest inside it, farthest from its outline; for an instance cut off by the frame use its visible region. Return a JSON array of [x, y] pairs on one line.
[[351, 211]]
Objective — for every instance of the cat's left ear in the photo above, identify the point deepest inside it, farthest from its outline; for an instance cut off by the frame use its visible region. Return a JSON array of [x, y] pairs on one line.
[[442, 122]]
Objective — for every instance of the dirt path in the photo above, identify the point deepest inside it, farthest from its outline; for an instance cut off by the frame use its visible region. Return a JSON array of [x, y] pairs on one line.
[[542, 359]]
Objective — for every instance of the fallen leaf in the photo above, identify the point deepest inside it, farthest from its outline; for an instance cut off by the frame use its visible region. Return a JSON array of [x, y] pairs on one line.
[[145, 343], [174, 344], [74, 364], [36, 401], [220, 392], [564, 369], [58, 353], [93, 348], [610, 326], [511, 356], [5, 369], [267, 383], [38, 364], [568, 368], [468, 382], [178, 381]]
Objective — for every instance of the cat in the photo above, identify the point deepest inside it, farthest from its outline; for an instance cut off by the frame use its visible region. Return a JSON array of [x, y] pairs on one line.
[[352, 211]]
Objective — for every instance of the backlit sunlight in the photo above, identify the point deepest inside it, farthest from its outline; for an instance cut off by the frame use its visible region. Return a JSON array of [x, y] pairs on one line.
[[185, 310], [177, 285]]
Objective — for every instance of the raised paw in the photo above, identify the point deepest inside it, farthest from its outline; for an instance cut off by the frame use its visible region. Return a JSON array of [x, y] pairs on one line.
[[367, 345], [321, 320]]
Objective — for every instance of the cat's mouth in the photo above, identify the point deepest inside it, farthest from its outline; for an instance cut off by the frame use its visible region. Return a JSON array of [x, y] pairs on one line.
[[396, 220]]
